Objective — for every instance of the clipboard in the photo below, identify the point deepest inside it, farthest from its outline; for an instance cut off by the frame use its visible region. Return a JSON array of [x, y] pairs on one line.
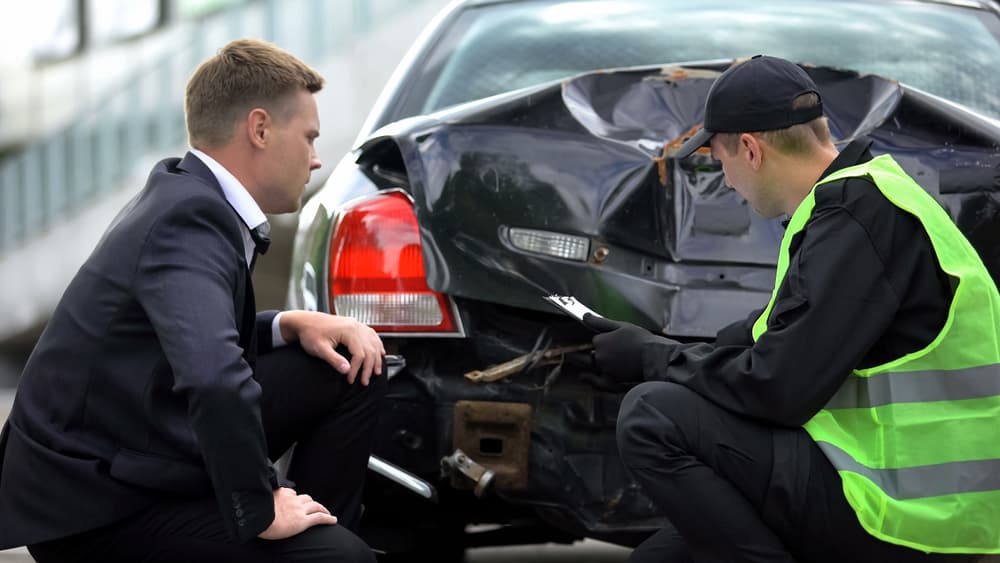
[[571, 306]]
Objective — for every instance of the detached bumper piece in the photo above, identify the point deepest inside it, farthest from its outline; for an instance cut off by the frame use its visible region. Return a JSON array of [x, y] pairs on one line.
[[491, 440]]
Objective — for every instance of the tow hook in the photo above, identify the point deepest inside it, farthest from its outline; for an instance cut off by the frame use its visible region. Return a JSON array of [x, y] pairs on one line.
[[459, 463]]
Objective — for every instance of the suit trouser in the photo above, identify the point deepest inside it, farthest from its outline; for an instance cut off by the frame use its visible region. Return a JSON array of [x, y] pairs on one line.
[[739, 490], [303, 402]]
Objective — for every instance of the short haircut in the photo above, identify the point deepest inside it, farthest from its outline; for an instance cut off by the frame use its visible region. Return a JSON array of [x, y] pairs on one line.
[[795, 140], [243, 75]]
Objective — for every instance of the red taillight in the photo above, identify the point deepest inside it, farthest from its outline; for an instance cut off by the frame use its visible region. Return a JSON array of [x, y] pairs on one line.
[[377, 269]]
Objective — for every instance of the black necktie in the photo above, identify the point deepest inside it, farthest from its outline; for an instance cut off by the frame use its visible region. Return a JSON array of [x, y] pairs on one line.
[[260, 237]]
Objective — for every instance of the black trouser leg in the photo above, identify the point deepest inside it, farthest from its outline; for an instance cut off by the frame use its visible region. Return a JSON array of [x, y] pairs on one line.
[[308, 403], [304, 401], [192, 532], [665, 546], [739, 490], [674, 443]]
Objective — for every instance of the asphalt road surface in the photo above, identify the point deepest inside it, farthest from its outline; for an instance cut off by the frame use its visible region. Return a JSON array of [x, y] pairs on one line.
[[580, 552]]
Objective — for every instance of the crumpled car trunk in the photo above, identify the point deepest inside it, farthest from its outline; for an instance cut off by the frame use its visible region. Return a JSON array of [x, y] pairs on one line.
[[589, 156], [671, 248]]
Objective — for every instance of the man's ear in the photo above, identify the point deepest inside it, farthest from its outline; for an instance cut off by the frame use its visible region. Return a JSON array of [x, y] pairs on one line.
[[258, 127], [752, 150]]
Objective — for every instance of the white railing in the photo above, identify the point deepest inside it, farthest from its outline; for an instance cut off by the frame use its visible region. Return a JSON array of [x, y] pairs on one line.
[[142, 113]]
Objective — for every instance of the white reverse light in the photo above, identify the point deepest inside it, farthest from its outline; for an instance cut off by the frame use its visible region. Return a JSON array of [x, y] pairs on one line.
[[413, 309], [559, 245]]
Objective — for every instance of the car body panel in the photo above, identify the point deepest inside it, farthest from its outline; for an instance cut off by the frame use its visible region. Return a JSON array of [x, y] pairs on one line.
[[589, 156], [670, 247]]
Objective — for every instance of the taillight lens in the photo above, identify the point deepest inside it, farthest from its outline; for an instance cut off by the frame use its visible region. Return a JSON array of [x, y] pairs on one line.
[[377, 269]]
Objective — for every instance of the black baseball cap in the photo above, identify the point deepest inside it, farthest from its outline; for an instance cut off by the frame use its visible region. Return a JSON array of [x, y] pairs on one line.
[[755, 95]]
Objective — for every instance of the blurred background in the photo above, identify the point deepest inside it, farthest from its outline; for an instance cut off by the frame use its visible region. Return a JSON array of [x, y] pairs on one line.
[[91, 96]]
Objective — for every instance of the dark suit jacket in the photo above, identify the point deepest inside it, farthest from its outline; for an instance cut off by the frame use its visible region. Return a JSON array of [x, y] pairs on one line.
[[141, 386]]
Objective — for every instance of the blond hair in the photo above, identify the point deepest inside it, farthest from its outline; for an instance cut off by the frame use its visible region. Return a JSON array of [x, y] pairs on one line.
[[796, 140], [243, 75]]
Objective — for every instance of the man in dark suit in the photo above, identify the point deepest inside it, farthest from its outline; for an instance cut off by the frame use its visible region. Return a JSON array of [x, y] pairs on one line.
[[149, 411]]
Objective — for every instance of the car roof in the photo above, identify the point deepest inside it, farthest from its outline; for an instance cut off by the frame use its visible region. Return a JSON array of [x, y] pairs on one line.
[[989, 5]]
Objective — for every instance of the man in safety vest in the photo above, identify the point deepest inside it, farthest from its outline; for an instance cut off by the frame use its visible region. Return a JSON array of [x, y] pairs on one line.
[[857, 418]]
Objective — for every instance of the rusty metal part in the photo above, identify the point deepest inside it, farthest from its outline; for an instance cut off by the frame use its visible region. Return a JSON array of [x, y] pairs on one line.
[[459, 465], [671, 147], [676, 74], [510, 367], [496, 435]]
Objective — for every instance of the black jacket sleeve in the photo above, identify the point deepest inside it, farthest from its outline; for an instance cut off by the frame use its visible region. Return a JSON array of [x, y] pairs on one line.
[[739, 333], [188, 272], [833, 304]]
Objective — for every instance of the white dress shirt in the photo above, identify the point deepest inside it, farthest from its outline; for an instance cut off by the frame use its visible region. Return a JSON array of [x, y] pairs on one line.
[[250, 214]]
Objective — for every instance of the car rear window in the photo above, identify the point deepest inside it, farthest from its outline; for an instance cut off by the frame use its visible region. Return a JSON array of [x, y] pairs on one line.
[[949, 51]]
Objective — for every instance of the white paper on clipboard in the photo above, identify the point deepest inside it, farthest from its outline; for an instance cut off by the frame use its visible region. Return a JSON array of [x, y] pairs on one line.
[[571, 306]]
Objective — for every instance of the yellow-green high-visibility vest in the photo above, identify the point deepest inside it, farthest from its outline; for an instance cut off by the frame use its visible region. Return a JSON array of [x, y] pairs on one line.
[[917, 440]]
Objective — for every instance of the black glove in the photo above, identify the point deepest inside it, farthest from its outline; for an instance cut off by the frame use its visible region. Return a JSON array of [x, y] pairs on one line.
[[618, 347]]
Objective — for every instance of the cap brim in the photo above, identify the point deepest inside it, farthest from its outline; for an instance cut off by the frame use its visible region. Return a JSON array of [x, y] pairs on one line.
[[700, 139]]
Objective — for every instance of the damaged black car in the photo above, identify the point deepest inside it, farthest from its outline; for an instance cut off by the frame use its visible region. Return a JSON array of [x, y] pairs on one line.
[[523, 149]]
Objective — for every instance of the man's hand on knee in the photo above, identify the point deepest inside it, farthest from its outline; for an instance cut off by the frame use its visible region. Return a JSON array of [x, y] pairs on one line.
[[295, 513]]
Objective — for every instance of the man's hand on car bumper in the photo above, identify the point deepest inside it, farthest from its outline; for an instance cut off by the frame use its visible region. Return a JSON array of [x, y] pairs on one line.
[[320, 334]]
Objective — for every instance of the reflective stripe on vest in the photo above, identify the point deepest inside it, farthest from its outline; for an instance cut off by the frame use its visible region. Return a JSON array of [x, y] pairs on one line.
[[916, 387], [923, 481], [917, 440]]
